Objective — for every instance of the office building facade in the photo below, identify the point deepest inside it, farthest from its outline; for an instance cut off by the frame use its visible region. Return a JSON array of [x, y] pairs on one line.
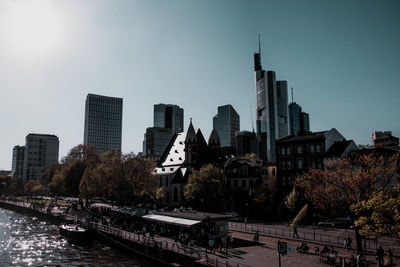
[[227, 123], [103, 122], [18, 157], [168, 116], [41, 150], [168, 120], [272, 110], [299, 121], [246, 143]]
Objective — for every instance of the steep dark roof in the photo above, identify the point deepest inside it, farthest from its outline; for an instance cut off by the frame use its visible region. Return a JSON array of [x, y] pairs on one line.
[[302, 137], [338, 148], [250, 162]]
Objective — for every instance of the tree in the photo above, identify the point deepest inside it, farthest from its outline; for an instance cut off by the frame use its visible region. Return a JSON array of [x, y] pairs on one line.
[[124, 178], [294, 200], [33, 187], [206, 188], [346, 182], [380, 215], [48, 173]]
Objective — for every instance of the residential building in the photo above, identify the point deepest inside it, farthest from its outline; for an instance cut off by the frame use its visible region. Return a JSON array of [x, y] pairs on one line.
[[168, 120], [299, 153], [18, 162], [226, 122], [272, 109], [384, 138], [103, 122], [246, 143], [41, 150]]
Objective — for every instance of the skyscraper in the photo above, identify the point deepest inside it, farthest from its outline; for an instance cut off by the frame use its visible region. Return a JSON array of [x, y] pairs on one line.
[[299, 121], [41, 150], [168, 120], [226, 123], [246, 143], [272, 113], [168, 116], [103, 122], [18, 161]]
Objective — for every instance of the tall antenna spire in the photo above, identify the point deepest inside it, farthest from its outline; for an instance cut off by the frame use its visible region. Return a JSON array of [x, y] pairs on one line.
[[259, 44], [251, 113], [292, 94]]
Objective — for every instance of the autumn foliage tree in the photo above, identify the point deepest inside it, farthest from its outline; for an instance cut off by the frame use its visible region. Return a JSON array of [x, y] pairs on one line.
[[380, 215], [346, 182], [123, 178]]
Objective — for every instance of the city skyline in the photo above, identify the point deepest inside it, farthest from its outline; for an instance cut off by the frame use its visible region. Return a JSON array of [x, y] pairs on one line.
[[341, 58]]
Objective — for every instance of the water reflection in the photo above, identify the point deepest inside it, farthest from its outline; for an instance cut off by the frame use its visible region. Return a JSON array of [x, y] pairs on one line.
[[28, 241]]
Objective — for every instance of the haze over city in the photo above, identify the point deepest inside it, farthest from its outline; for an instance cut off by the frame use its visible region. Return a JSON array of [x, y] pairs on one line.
[[342, 59]]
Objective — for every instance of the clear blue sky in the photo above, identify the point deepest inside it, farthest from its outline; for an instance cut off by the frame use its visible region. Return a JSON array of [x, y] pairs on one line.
[[341, 57]]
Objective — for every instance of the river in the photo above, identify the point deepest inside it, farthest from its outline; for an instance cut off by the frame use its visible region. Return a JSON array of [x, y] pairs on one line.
[[29, 241]]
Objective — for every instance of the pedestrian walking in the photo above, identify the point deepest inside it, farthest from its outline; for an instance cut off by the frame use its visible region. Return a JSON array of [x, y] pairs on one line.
[[231, 240], [345, 243], [295, 232], [211, 244], [390, 258], [348, 243]]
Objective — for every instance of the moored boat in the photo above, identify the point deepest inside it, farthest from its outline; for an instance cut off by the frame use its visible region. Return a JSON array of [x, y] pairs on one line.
[[76, 233]]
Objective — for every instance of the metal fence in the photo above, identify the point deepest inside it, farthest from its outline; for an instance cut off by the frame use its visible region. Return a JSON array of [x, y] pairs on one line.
[[195, 252], [310, 233]]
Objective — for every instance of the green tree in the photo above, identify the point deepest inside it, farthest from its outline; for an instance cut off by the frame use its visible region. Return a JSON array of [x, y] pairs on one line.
[[380, 215], [205, 189]]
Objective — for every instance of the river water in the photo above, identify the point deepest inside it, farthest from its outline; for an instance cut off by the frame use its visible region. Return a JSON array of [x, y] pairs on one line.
[[29, 241]]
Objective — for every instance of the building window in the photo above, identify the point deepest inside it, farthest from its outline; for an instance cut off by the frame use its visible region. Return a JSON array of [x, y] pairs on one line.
[[300, 164], [312, 148], [251, 183], [313, 165], [282, 151], [283, 180], [300, 149], [318, 148], [289, 165], [234, 170], [273, 171], [288, 151]]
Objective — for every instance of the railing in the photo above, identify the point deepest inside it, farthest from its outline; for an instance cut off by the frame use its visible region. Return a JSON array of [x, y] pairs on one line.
[[195, 252], [310, 234]]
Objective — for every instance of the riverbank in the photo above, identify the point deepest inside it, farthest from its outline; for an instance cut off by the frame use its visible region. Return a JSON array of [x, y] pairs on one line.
[[161, 250]]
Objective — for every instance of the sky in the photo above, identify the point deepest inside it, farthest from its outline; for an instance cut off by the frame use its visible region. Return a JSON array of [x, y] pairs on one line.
[[341, 57]]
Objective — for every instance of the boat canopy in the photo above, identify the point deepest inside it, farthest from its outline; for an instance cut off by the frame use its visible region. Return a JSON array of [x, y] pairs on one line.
[[171, 220]]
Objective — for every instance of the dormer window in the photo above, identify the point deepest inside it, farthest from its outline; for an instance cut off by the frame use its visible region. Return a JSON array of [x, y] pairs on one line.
[[180, 142], [171, 159], [163, 169], [180, 158], [171, 169], [176, 151]]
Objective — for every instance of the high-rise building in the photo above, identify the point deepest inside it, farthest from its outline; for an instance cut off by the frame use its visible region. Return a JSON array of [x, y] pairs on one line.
[[226, 123], [168, 116], [246, 143], [299, 120], [272, 113], [168, 120], [41, 150], [18, 161], [103, 122]]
